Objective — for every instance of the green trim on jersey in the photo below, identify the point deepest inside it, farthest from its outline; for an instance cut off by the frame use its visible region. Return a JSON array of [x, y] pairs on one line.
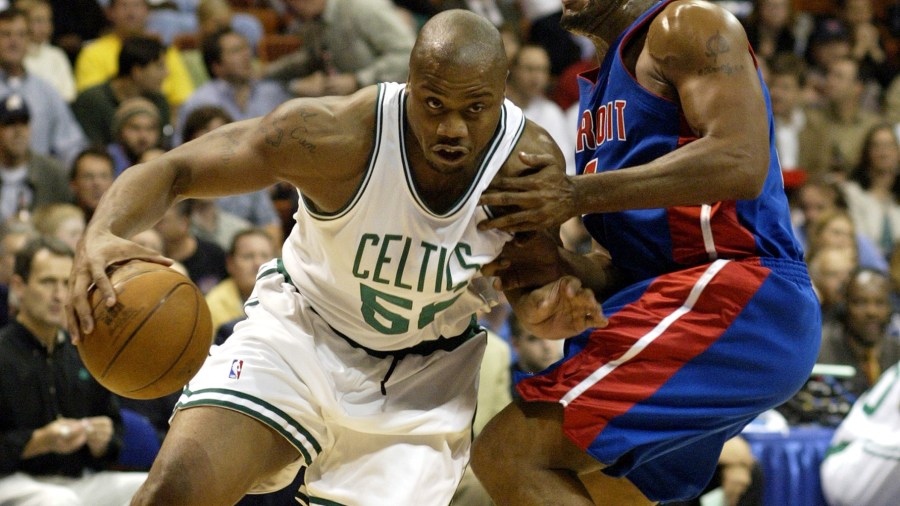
[[256, 414], [489, 154], [373, 156]]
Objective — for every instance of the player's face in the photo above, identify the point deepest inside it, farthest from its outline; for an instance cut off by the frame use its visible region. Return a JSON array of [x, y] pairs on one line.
[[42, 296], [453, 113]]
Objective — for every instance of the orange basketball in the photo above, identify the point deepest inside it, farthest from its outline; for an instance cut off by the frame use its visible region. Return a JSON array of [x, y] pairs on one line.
[[156, 336]]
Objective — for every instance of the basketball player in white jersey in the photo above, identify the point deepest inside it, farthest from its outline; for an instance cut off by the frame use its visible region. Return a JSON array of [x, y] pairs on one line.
[[359, 356]]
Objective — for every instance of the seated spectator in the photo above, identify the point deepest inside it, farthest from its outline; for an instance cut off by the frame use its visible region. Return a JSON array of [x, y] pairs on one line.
[[862, 465], [829, 271], [873, 187], [204, 261], [91, 175], [770, 28], [544, 30], [533, 354], [842, 122], [43, 59], [135, 129], [529, 78], [55, 132], [249, 250], [13, 236], [228, 60], [76, 22], [859, 335], [797, 142], [347, 44], [98, 60], [211, 223], [171, 18], [61, 431], [27, 180], [255, 208], [828, 42], [61, 221], [141, 71], [818, 198]]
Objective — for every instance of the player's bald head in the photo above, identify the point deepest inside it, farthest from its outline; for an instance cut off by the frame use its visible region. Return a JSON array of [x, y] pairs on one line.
[[459, 39]]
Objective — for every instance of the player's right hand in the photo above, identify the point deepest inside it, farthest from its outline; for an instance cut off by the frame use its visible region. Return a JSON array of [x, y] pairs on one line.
[[96, 252], [560, 309]]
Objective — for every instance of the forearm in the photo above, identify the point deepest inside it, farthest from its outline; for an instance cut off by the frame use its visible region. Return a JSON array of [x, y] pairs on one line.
[[705, 171], [136, 201]]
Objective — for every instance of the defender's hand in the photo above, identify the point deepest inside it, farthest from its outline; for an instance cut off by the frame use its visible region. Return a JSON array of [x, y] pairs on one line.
[[560, 309], [539, 201]]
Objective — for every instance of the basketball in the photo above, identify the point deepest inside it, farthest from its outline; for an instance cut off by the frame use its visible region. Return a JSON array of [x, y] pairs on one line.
[[156, 336]]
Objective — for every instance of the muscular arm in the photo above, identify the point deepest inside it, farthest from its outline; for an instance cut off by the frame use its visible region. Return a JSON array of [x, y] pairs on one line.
[[319, 145], [697, 55]]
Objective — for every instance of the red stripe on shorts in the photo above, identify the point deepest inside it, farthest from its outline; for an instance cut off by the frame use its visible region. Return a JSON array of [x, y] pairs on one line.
[[672, 343]]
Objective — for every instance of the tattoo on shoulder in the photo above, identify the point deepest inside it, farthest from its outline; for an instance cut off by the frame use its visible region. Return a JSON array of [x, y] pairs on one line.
[[715, 46], [301, 132]]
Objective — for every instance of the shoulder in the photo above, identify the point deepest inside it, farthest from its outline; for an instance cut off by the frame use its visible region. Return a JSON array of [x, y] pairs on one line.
[[536, 140], [690, 29]]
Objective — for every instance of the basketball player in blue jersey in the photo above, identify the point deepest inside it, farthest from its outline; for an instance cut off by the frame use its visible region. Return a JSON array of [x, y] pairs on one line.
[[711, 315], [359, 356]]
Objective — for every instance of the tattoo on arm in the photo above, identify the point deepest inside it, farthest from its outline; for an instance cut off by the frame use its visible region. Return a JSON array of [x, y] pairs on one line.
[[301, 133], [716, 45], [230, 146], [273, 133]]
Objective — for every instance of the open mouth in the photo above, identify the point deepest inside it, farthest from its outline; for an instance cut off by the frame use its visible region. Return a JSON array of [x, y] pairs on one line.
[[450, 154]]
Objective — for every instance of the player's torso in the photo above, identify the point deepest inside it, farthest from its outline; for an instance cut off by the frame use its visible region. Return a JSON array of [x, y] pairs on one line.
[[386, 270], [623, 124]]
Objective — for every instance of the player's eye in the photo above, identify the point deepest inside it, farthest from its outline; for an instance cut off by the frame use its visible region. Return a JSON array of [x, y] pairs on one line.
[[476, 108], [433, 103]]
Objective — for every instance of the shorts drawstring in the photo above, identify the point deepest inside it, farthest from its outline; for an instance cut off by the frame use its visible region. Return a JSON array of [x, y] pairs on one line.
[[394, 360]]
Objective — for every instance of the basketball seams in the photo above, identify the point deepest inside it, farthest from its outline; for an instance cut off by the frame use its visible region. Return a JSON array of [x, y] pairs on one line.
[[187, 343], [149, 314]]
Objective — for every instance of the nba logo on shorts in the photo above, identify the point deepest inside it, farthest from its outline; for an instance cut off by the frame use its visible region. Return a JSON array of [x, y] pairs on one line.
[[236, 366]]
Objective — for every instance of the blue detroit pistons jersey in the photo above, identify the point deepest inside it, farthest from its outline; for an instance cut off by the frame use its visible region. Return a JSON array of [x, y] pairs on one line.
[[622, 124]]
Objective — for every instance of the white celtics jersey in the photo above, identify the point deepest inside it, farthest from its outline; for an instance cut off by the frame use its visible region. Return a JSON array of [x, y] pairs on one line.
[[386, 271]]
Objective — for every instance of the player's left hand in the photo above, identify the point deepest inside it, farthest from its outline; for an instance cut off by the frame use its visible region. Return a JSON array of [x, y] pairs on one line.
[[541, 201], [560, 309]]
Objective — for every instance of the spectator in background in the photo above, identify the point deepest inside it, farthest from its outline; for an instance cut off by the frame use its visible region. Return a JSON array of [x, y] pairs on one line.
[[842, 122], [533, 354], [829, 270], [828, 42], [13, 236], [250, 248], [818, 197], [59, 429], [873, 188], [98, 60], [227, 57], [347, 44], [255, 208], [55, 132], [212, 16], [62, 221], [171, 18], [862, 465], [76, 22], [543, 18], [867, 45], [135, 129], [529, 78], [91, 175], [796, 141], [204, 261], [141, 72], [27, 180], [770, 28], [859, 335], [43, 59]]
